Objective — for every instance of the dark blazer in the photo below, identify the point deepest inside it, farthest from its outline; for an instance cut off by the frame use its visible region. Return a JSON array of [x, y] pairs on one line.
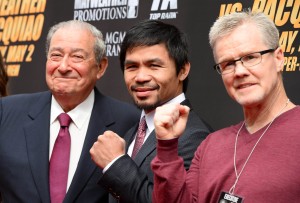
[[131, 181], [24, 147]]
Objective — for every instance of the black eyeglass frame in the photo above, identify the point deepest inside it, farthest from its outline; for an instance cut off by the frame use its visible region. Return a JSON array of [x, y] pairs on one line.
[[240, 59]]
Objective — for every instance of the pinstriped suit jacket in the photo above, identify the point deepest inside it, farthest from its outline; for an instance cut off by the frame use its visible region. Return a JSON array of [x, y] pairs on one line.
[[131, 181]]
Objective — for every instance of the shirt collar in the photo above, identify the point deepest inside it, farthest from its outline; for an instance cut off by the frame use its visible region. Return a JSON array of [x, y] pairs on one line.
[[150, 116], [79, 114]]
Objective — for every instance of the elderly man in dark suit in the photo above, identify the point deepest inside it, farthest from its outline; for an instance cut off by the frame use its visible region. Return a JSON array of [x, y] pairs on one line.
[[29, 123], [154, 59]]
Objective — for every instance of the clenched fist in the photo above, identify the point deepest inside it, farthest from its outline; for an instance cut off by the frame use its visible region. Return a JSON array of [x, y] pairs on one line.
[[108, 147], [170, 121]]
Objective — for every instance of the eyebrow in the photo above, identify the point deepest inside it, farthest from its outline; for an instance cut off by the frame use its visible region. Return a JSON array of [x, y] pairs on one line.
[[229, 59], [72, 50], [157, 60]]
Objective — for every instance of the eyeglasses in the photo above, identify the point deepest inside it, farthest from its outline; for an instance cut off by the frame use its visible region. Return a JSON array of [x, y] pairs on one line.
[[248, 61]]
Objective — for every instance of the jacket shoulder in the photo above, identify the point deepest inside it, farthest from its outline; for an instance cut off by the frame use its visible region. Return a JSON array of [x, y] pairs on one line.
[[24, 101]]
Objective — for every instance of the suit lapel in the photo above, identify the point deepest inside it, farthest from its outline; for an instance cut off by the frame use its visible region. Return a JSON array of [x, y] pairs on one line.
[[100, 118], [150, 144], [147, 148], [37, 140], [130, 135], [187, 103]]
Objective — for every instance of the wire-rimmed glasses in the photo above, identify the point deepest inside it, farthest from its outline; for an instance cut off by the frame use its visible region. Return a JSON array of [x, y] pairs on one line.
[[248, 61]]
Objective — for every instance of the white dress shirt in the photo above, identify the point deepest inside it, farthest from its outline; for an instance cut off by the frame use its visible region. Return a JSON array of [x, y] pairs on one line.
[[150, 123], [78, 127], [150, 127]]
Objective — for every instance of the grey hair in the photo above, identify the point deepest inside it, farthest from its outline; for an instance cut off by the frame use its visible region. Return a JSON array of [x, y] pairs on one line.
[[227, 23], [99, 46]]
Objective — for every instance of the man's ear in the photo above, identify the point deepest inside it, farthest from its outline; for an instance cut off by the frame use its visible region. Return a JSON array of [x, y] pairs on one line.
[[279, 58], [184, 72], [102, 67]]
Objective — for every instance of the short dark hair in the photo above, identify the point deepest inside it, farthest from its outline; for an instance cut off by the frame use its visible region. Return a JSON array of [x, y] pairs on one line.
[[152, 32]]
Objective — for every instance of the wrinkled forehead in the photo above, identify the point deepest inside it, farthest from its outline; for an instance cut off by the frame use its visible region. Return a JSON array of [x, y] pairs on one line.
[[73, 37]]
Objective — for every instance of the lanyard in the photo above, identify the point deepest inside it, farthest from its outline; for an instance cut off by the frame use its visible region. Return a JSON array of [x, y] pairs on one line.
[[231, 191]]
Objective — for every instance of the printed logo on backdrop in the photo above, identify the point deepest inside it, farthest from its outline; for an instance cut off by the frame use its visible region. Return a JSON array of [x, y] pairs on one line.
[[164, 9], [21, 25], [286, 15], [96, 10], [113, 41], [107, 10]]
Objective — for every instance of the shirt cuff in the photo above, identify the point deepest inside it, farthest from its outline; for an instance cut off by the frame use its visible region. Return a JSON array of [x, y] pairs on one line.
[[111, 163]]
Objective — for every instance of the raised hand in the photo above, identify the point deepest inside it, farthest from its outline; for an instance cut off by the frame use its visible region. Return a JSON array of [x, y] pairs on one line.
[[108, 147], [170, 121]]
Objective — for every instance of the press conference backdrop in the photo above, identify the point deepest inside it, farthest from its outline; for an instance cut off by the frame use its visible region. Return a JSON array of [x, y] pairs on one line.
[[25, 23]]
